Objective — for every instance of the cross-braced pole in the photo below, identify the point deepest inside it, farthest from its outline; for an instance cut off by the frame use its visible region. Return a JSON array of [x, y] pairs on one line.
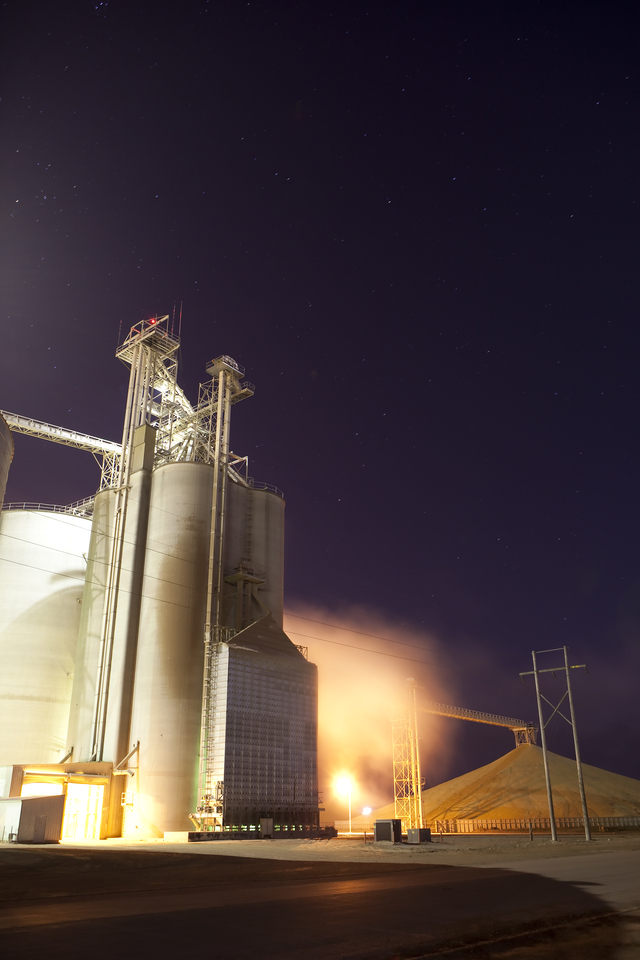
[[545, 758], [583, 799], [571, 720]]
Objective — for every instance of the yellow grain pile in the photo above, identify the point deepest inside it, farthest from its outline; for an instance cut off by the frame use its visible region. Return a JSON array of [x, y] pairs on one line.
[[514, 787]]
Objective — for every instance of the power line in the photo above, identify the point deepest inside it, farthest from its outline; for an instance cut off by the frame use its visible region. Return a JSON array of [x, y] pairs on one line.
[[380, 653], [67, 576], [374, 636], [106, 534]]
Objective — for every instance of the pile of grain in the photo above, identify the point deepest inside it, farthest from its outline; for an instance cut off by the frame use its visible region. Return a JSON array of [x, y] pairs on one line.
[[514, 787]]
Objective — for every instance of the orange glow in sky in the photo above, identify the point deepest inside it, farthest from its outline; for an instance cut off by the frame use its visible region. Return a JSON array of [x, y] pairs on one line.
[[358, 694]]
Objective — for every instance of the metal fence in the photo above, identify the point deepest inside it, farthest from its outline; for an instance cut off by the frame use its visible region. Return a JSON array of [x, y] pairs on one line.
[[536, 823], [342, 826], [516, 825]]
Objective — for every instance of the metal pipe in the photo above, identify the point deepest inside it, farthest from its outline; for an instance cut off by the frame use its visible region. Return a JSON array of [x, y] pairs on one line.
[[583, 799], [211, 578], [214, 511], [545, 759], [138, 381], [224, 456]]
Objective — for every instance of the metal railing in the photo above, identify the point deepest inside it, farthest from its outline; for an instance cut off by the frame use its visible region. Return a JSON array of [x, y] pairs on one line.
[[229, 361], [258, 485], [342, 826], [461, 713], [81, 508]]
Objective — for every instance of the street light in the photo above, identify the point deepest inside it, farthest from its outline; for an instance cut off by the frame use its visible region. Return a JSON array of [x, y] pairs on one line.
[[343, 785]]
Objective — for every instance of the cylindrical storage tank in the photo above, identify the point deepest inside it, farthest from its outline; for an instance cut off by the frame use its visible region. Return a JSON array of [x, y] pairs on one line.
[[79, 734], [267, 549], [81, 731], [237, 547], [6, 456], [167, 696], [42, 571], [254, 538]]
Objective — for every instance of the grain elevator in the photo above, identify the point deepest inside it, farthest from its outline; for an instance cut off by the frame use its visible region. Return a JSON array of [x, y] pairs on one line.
[[177, 689]]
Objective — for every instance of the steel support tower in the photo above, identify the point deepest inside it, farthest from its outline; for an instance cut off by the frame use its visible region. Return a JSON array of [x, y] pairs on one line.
[[407, 779]]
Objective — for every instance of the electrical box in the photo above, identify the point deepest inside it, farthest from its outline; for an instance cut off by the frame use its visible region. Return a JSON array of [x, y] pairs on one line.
[[419, 835], [389, 830], [266, 828]]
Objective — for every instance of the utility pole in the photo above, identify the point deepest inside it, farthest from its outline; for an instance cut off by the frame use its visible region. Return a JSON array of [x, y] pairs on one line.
[[415, 760], [583, 799], [545, 758], [571, 720]]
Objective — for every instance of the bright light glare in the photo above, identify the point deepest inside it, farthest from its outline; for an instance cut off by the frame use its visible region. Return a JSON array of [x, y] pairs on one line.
[[343, 784], [366, 811], [41, 790]]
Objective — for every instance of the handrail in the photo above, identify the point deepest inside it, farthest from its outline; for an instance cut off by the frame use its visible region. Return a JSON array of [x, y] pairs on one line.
[[79, 508], [229, 361], [258, 485], [72, 438], [461, 713]]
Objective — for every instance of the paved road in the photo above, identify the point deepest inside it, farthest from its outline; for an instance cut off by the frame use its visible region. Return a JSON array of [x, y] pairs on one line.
[[402, 914], [614, 877]]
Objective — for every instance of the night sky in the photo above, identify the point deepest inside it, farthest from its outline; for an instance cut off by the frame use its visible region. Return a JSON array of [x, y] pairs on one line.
[[416, 225]]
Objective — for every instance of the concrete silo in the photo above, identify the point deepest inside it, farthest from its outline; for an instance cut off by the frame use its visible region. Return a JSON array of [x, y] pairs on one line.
[[167, 700], [98, 676], [253, 555], [42, 571], [6, 456], [185, 685]]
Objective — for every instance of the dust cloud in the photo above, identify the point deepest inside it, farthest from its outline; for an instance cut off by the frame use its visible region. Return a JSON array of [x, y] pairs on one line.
[[360, 690]]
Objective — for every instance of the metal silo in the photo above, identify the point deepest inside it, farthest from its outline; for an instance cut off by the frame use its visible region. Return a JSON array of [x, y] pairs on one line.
[[42, 571], [265, 730], [167, 697]]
